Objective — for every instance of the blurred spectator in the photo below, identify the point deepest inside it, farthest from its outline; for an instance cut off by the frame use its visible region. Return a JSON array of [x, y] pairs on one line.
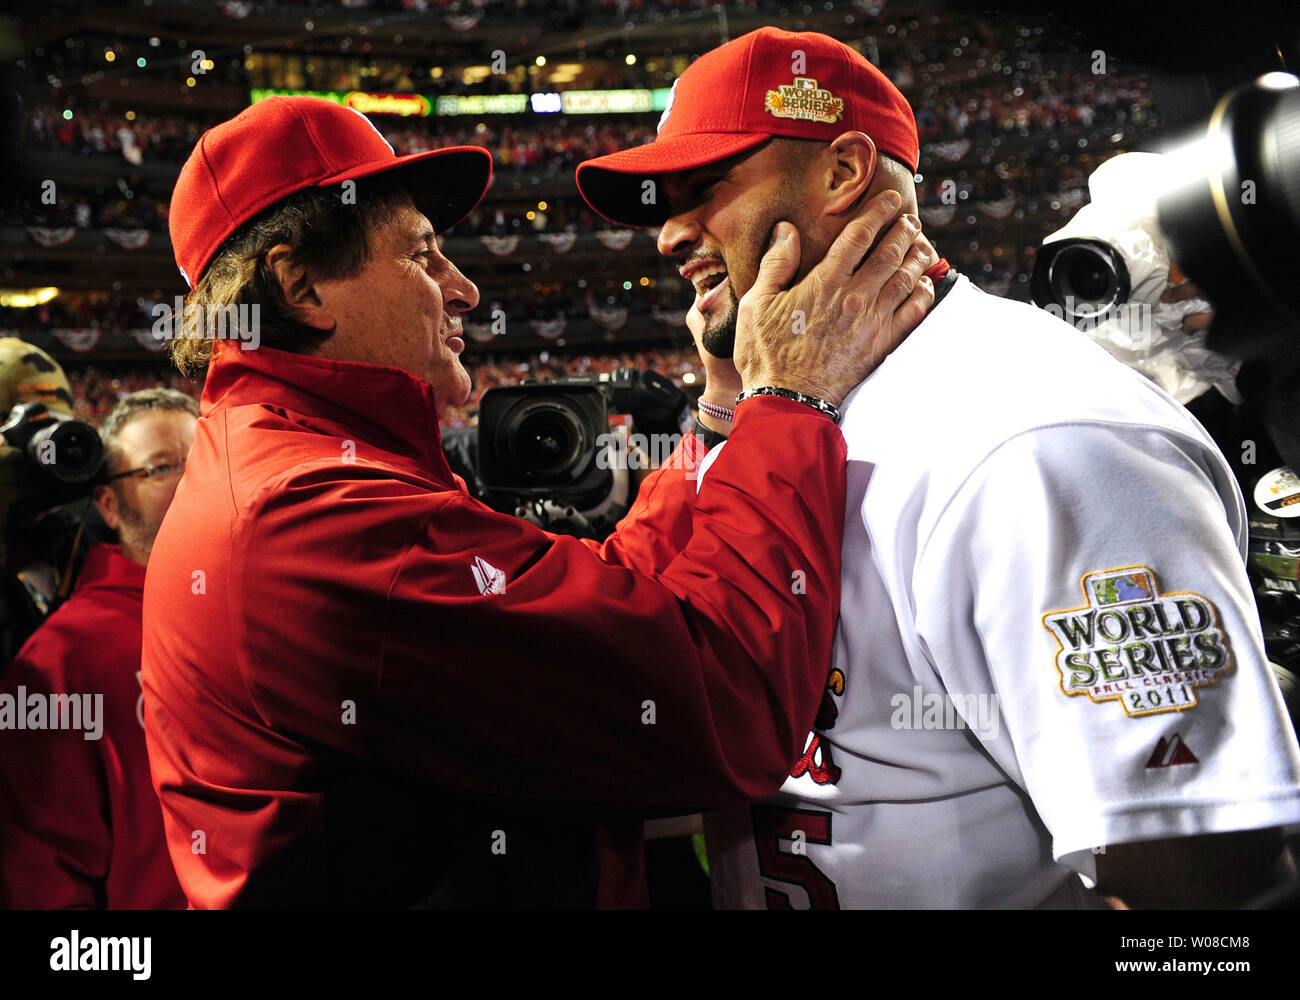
[[80, 825]]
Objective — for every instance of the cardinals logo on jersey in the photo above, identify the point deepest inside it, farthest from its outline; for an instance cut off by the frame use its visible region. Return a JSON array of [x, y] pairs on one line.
[[816, 761]]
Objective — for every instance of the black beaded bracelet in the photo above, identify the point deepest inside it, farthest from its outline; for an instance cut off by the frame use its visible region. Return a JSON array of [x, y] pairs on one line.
[[830, 409]]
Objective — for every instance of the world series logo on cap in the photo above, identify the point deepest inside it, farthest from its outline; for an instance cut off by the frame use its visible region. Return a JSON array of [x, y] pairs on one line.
[[804, 100]]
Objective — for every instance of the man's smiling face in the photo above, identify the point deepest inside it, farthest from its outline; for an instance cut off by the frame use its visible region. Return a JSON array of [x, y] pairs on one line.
[[404, 307], [722, 220]]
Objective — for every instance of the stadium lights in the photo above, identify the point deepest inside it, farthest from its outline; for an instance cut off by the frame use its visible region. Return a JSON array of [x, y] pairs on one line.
[[630, 60], [688, 378], [25, 298], [109, 55], [540, 60]]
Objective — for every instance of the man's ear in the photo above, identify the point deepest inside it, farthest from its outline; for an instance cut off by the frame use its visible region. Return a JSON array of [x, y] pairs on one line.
[[108, 504], [853, 168], [299, 288]]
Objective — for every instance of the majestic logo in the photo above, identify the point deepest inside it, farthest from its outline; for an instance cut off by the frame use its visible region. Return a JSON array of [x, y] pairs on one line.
[[487, 577], [816, 761], [1130, 643], [1170, 752], [805, 101]]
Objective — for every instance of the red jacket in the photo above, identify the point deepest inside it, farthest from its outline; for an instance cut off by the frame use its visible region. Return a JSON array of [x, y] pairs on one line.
[[79, 820], [346, 653]]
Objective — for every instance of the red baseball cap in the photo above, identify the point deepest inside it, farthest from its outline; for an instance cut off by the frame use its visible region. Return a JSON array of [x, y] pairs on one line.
[[769, 82], [281, 145]]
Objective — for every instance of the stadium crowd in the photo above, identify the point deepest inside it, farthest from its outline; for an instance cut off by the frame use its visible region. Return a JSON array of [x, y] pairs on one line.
[[96, 391]]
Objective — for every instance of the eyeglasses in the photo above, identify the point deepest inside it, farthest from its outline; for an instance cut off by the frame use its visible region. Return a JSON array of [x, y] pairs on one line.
[[164, 470]]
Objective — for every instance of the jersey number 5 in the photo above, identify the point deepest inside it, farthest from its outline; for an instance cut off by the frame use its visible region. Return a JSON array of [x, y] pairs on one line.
[[773, 828]]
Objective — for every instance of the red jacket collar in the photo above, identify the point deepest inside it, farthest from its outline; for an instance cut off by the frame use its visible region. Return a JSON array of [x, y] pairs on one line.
[[105, 566], [388, 407]]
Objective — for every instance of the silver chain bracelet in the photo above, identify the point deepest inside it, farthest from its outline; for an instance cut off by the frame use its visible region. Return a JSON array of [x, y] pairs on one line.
[[830, 409]]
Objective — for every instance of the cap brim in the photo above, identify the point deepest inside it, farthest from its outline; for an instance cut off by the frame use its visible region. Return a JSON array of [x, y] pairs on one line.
[[445, 184], [614, 185]]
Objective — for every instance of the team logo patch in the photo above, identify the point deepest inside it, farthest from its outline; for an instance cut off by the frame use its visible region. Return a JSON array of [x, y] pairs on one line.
[[1132, 644], [805, 101]]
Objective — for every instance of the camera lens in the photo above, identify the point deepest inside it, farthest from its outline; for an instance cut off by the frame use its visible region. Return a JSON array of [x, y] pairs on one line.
[[72, 454], [1232, 210], [546, 441], [1086, 276]]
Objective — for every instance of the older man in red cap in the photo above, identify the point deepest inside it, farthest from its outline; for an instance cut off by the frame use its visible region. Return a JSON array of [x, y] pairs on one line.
[[1048, 667], [362, 685]]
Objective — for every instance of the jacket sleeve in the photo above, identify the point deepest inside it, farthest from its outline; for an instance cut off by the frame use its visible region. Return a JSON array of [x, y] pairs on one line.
[[658, 526], [473, 650], [54, 836]]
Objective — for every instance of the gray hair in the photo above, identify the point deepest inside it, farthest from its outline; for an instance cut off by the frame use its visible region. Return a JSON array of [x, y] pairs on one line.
[[135, 405]]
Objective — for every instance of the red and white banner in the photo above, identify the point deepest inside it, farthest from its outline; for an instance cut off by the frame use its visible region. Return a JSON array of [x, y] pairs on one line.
[[500, 246], [482, 332], [999, 209], [949, 152], [614, 239], [149, 340], [128, 239], [670, 317], [462, 22], [937, 215], [548, 328], [51, 236], [559, 242], [77, 340], [610, 317]]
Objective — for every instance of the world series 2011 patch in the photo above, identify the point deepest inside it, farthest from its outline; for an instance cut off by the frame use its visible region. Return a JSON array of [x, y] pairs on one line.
[[804, 100], [1132, 644]]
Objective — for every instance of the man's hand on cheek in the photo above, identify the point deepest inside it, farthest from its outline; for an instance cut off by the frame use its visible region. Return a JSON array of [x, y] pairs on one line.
[[825, 334]]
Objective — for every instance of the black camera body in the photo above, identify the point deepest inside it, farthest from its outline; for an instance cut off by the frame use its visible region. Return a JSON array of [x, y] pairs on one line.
[[546, 449]]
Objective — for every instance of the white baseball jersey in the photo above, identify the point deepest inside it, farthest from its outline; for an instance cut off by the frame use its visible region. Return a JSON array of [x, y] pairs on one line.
[[1047, 640]]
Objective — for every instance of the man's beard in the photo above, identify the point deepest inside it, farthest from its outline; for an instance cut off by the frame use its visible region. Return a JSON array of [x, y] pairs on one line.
[[136, 531], [720, 340]]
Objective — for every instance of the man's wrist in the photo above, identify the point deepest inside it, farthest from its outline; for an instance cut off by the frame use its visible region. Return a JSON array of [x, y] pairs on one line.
[[708, 436], [717, 411]]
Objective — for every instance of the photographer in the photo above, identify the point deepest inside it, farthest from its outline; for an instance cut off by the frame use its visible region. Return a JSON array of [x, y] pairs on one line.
[[47, 460], [346, 654], [1109, 272], [79, 822]]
